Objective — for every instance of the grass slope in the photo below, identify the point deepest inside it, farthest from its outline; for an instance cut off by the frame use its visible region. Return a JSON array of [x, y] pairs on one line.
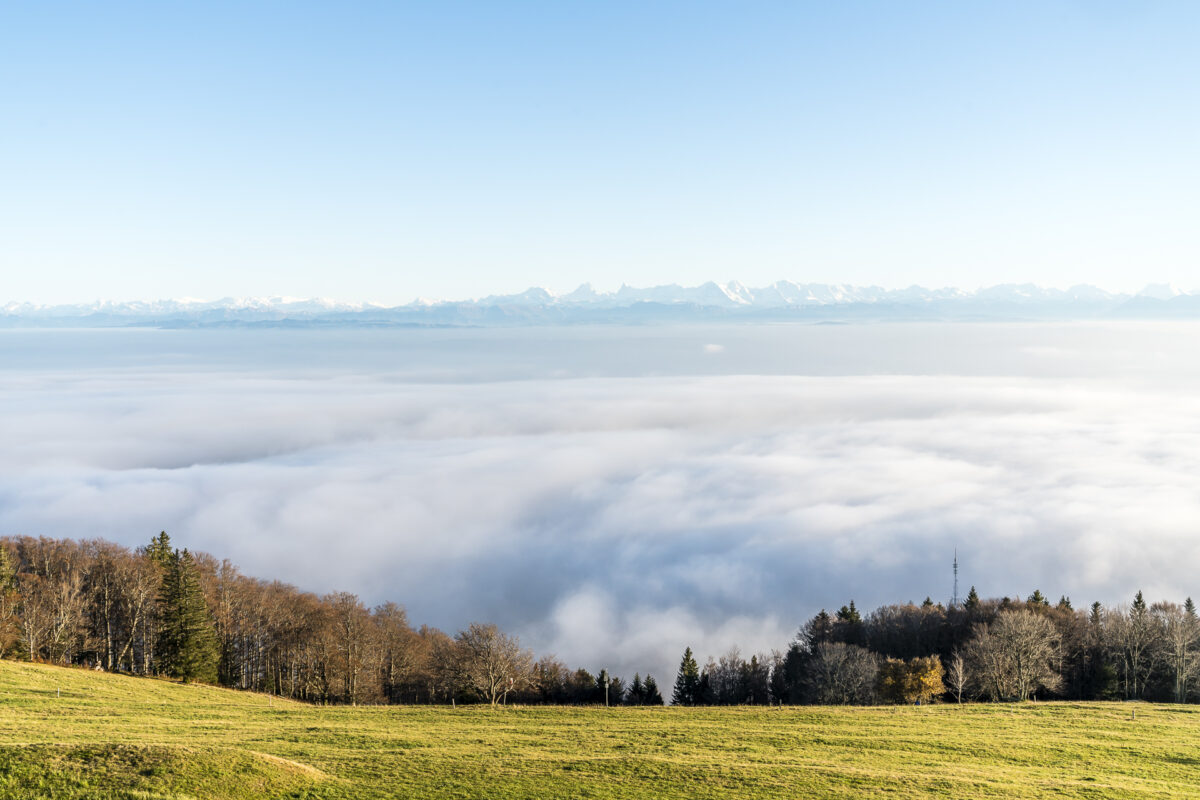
[[75, 734]]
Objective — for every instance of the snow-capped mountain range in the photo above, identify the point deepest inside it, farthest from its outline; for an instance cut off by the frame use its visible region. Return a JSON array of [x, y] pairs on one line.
[[779, 301]]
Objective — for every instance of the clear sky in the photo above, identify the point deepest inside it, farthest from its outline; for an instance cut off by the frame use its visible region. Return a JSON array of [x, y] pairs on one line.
[[382, 151]]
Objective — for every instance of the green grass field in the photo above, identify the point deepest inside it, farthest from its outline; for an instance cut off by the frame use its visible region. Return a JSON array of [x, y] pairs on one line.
[[73, 734]]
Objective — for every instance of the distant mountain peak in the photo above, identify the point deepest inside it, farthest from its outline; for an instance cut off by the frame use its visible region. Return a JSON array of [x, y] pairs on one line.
[[1160, 291], [782, 300]]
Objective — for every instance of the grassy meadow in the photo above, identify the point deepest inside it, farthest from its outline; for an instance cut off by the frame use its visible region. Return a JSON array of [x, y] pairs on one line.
[[67, 733]]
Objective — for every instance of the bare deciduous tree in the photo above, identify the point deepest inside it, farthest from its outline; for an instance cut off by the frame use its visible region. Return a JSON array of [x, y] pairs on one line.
[[1015, 655], [956, 675], [1132, 635], [1178, 645], [396, 649], [842, 674], [351, 631], [491, 662]]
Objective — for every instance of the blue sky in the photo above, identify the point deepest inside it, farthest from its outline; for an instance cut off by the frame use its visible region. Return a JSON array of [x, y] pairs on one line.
[[385, 151]]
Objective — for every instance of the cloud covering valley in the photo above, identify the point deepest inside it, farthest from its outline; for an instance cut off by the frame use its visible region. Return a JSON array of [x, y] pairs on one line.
[[613, 498]]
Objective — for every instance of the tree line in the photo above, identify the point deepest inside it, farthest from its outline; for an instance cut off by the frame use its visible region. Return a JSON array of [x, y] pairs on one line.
[[1002, 649], [159, 610]]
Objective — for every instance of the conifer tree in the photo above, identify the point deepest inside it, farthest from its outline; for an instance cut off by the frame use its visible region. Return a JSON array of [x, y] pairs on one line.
[[1138, 609], [819, 629], [160, 551], [637, 692], [972, 599], [704, 689], [849, 624], [849, 614], [651, 696], [609, 689], [687, 682], [188, 642]]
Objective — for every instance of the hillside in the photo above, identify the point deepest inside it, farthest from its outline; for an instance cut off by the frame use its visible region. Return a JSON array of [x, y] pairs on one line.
[[68, 733]]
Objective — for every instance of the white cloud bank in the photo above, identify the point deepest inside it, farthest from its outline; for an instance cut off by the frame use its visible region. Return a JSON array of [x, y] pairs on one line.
[[615, 519]]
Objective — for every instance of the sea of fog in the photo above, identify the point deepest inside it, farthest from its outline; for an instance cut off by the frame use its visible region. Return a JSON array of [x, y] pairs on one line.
[[613, 494]]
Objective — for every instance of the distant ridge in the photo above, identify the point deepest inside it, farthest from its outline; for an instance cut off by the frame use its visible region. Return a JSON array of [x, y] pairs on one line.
[[780, 301]]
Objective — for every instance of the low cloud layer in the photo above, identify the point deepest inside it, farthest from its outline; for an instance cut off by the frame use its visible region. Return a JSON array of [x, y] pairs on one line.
[[613, 515]]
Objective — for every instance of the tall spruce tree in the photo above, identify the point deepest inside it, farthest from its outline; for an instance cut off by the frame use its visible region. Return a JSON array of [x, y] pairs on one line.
[[849, 625], [972, 603], [1138, 609], [187, 640], [637, 692], [819, 629], [160, 551], [704, 689], [651, 696], [687, 682]]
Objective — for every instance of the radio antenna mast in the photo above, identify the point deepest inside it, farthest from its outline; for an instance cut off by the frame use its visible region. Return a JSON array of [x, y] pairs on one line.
[[954, 600]]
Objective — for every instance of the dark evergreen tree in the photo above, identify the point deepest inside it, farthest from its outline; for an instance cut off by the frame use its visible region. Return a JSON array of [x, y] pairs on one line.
[[687, 682], [160, 551], [704, 690], [187, 640], [161, 554], [636, 695], [778, 686], [849, 614], [820, 629], [1101, 681], [1138, 609], [849, 625], [972, 603], [610, 690], [653, 697], [795, 665], [756, 682], [1064, 603], [1038, 599], [616, 690], [1100, 675]]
